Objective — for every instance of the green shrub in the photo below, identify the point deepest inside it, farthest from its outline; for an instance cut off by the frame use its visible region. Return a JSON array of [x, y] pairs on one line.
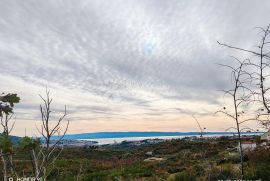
[[223, 172], [183, 176]]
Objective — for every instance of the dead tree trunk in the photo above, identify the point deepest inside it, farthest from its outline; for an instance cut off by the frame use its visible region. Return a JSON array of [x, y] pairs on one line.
[[50, 152], [239, 98]]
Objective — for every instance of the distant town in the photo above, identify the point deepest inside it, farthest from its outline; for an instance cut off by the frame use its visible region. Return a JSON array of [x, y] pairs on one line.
[[69, 143]]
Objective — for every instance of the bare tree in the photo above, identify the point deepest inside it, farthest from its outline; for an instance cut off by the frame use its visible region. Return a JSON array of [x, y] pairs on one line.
[[259, 69], [241, 97], [200, 127], [203, 151], [52, 134]]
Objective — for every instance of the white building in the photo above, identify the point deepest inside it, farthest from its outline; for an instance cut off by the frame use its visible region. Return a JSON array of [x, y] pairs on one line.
[[149, 153], [248, 145], [266, 136]]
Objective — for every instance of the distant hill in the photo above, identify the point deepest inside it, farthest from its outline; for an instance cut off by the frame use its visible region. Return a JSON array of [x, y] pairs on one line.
[[141, 134], [14, 139]]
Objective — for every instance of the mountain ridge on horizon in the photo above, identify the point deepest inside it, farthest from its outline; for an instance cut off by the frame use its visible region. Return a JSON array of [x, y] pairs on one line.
[[123, 134]]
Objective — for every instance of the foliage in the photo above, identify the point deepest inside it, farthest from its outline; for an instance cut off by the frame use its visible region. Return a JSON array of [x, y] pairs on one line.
[[224, 172], [7, 102], [184, 176], [6, 144], [27, 143], [259, 164], [109, 162]]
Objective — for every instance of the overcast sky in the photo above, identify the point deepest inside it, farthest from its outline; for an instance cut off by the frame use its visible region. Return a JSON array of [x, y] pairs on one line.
[[124, 65]]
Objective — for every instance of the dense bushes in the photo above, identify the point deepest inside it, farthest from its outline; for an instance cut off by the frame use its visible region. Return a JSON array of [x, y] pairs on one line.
[[180, 163], [183, 176], [259, 164], [224, 172]]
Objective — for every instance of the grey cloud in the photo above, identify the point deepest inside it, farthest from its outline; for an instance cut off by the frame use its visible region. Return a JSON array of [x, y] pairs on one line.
[[112, 49]]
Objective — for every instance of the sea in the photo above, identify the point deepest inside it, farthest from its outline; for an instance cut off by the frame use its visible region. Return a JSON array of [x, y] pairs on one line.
[[115, 140]]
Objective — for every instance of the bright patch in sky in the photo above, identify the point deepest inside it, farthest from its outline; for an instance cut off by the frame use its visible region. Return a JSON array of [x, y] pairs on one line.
[[149, 46]]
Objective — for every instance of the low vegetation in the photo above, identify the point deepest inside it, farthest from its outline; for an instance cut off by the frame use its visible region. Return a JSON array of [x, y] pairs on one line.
[[183, 159]]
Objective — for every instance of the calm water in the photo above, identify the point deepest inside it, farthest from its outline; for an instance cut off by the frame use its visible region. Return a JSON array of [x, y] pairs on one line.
[[103, 141]]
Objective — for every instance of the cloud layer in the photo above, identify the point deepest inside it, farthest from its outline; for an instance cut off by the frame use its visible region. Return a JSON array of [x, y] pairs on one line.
[[123, 65]]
